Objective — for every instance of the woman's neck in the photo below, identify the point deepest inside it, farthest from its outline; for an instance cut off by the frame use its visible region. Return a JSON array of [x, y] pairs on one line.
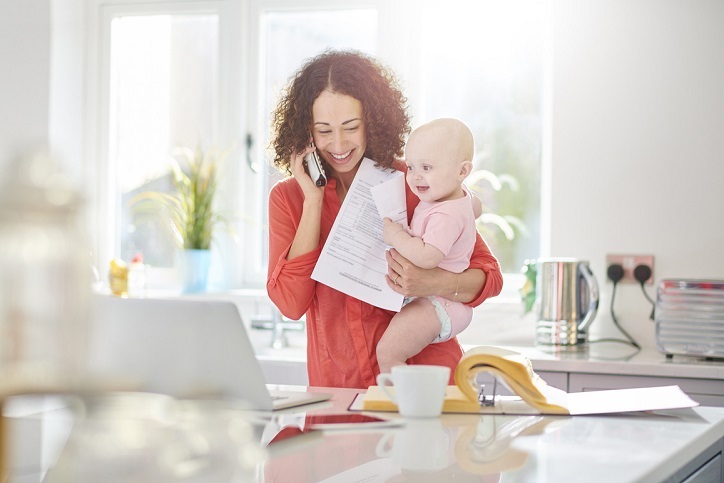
[[344, 181], [343, 185]]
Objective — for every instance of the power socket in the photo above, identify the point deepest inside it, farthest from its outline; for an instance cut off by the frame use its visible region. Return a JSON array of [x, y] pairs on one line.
[[629, 263]]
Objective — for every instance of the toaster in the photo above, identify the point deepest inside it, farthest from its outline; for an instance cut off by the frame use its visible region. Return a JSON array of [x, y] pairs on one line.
[[689, 318]]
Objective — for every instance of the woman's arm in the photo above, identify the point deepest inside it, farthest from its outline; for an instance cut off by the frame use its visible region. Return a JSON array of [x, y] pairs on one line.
[[294, 233], [482, 279]]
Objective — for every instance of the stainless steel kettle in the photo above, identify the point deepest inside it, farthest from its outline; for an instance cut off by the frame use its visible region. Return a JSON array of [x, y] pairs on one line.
[[567, 301]]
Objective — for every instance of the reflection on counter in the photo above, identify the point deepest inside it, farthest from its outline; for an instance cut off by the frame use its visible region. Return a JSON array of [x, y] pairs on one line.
[[440, 449], [486, 449]]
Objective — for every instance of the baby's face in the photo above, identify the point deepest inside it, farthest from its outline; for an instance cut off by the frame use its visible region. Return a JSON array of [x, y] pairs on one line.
[[433, 167]]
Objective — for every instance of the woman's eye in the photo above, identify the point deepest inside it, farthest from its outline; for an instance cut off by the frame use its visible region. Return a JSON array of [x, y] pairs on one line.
[[409, 168], [427, 167]]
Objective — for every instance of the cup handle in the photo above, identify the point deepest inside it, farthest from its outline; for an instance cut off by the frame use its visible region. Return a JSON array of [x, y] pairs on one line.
[[384, 446], [381, 380]]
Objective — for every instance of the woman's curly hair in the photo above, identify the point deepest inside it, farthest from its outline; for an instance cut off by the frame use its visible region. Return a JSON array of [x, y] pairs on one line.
[[354, 74]]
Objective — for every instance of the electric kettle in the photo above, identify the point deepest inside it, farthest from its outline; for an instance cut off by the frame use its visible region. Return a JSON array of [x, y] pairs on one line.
[[567, 301]]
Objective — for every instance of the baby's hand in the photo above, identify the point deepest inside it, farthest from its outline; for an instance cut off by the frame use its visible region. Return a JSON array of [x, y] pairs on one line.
[[390, 230]]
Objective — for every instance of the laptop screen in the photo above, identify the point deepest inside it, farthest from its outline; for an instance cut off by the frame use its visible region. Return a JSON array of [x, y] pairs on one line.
[[181, 347]]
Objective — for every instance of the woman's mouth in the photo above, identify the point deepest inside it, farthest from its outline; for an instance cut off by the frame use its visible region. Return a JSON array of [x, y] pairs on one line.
[[341, 157]]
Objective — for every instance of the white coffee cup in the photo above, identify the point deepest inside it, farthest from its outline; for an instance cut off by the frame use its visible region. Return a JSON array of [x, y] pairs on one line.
[[419, 390], [422, 445]]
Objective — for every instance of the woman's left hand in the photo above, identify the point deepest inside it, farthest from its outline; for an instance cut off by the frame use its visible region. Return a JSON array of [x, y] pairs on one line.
[[408, 279]]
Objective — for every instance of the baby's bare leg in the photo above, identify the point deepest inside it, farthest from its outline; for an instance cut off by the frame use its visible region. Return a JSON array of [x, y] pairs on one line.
[[410, 331]]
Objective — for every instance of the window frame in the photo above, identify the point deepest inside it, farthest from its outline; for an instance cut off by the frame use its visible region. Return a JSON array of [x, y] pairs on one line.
[[228, 122]]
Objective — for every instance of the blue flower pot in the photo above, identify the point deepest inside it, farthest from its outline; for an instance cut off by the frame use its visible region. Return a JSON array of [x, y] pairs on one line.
[[194, 266]]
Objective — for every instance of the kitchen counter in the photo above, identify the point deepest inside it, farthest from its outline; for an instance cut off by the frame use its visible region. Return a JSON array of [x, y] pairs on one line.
[[656, 446], [612, 358]]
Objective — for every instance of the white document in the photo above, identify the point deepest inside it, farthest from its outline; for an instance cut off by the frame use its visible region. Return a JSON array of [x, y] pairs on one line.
[[390, 199], [353, 257], [590, 402]]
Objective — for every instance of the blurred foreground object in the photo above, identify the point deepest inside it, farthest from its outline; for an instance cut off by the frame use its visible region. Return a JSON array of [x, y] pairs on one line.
[[44, 279]]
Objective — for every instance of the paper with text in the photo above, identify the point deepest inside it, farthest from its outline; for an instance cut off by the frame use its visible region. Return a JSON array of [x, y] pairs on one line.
[[353, 257]]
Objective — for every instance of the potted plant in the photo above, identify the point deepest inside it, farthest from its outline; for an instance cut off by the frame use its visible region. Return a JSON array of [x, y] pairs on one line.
[[189, 211]]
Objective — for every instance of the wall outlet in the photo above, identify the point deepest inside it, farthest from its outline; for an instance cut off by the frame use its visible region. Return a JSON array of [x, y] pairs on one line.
[[629, 263]]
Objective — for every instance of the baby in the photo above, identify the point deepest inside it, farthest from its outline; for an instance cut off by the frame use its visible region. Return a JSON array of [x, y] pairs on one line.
[[442, 234]]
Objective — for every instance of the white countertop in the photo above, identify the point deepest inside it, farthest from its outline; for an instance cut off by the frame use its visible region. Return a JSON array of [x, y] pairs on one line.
[[612, 358], [640, 447], [633, 447]]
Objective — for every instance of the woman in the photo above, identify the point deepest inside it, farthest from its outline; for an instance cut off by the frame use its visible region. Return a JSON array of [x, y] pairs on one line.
[[349, 107]]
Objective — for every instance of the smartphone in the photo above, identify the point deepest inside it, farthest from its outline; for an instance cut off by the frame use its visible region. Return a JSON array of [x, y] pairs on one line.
[[314, 424], [314, 168], [348, 421]]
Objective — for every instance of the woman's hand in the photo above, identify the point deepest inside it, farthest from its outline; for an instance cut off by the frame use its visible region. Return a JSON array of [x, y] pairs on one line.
[[296, 165], [308, 231], [412, 281]]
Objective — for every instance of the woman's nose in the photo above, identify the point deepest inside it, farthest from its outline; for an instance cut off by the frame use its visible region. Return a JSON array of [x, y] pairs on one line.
[[338, 142]]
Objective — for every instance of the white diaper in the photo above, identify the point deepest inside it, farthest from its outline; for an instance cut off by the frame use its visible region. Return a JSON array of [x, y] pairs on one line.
[[442, 316]]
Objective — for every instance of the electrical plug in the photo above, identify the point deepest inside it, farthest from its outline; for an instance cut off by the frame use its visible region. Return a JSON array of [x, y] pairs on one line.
[[642, 273], [615, 272]]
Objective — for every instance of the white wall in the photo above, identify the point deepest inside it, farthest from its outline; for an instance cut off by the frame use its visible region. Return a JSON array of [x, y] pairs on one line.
[[638, 141], [67, 85], [24, 83], [637, 151]]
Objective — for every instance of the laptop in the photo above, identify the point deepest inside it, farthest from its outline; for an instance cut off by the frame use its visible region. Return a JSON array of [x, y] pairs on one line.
[[184, 348]]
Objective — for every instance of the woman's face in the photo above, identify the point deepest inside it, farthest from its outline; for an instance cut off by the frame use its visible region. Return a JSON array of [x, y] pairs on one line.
[[339, 130]]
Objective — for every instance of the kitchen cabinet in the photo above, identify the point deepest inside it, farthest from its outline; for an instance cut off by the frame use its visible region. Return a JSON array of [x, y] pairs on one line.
[[707, 392], [707, 467]]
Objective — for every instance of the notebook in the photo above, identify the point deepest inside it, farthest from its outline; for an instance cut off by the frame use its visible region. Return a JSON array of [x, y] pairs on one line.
[[184, 348]]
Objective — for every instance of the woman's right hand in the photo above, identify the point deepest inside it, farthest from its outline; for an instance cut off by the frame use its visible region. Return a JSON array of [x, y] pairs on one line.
[[296, 165], [308, 231]]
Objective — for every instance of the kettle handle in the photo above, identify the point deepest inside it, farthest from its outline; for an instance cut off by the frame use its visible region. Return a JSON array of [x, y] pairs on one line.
[[592, 295]]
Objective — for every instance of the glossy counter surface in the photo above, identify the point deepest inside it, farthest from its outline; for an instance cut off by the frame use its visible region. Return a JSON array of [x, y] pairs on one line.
[[611, 358], [153, 443], [621, 448]]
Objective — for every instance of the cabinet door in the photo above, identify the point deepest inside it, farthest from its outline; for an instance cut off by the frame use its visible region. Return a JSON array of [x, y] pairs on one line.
[[707, 392], [710, 472]]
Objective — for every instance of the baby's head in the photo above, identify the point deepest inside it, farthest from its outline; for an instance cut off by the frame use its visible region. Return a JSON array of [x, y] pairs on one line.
[[439, 157]]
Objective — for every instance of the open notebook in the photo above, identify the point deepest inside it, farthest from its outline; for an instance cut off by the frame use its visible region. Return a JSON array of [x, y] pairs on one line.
[[184, 348]]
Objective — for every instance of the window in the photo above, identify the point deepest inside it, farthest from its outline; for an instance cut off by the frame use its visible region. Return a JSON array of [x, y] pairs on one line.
[[156, 85], [204, 72], [163, 94]]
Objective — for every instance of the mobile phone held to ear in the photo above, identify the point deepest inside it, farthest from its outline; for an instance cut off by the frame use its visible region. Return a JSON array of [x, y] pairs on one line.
[[314, 168]]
